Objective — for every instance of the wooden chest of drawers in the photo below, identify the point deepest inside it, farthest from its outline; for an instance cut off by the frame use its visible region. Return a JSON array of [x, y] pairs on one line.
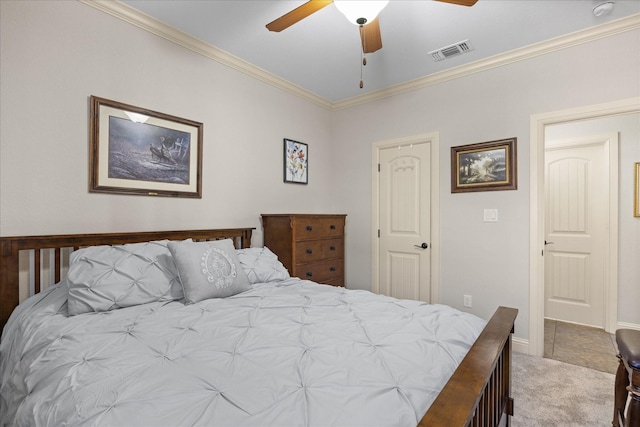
[[310, 246]]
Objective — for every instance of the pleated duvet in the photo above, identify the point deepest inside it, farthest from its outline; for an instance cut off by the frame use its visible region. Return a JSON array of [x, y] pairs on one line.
[[289, 353]]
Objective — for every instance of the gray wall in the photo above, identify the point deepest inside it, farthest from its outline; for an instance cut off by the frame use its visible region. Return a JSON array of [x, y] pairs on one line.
[[56, 54], [489, 261]]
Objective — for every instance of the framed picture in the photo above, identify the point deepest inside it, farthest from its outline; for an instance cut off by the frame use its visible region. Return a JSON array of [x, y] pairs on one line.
[[636, 191], [296, 162], [485, 166], [133, 150]]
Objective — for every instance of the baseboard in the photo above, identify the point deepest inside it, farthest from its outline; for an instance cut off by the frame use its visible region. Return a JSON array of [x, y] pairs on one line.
[[624, 325], [520, 345]]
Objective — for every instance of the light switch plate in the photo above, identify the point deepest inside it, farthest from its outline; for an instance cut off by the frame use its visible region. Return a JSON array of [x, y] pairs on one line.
[[491, 215]]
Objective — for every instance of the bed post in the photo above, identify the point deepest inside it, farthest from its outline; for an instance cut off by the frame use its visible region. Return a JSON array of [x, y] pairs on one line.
[[245, 239], [9, 291]]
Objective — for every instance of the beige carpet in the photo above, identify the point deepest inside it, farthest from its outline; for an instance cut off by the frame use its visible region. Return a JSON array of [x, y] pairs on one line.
[[549, 393]]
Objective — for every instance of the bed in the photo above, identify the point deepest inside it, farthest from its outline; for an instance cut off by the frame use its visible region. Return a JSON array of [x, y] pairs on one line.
[[278, 351]]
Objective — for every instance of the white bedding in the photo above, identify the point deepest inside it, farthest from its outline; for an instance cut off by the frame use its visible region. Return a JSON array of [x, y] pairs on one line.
[[287, 353]]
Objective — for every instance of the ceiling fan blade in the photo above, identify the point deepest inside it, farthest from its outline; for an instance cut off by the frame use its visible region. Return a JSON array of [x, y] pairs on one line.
[[297, 14], [460, 2], [370, 36]]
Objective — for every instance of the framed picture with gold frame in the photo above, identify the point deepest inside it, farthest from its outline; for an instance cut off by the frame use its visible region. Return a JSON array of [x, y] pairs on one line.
[[485, 166], [636, 190]]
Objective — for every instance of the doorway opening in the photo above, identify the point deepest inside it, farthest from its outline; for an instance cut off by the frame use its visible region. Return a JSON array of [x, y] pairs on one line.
[[537, 218]]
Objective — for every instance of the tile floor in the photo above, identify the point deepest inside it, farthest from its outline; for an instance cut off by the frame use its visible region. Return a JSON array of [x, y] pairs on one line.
[[580, 345]]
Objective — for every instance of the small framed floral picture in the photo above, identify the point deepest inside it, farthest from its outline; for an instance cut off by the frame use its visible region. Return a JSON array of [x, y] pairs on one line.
[[296, 162]]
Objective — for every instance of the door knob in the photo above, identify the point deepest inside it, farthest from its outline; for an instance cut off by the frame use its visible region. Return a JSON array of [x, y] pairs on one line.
[[547, 243], [422, 246]]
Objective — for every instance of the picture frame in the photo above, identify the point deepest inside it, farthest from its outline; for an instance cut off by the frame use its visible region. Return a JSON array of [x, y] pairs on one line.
[[636, 190], [296, 162], [138, 151], [484, 166]]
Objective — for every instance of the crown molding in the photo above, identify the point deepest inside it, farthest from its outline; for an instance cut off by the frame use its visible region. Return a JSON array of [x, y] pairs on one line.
[[133, 16], [608, 29]]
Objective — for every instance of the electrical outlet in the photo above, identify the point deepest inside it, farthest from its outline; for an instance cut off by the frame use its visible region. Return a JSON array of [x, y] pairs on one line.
[[467, 300]]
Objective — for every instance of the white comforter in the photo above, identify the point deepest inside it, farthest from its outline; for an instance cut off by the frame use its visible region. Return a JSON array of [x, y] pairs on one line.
[[291, 353]]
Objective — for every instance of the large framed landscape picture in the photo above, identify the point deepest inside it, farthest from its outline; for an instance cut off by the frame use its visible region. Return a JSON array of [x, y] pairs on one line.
[[138, 151], [484, 166]]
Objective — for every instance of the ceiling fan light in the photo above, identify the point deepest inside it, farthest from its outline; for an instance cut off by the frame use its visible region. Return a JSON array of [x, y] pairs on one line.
[[354, 10], [603, 8]]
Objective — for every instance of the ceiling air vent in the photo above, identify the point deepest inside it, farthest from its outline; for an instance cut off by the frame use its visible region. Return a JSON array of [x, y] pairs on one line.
[[451, 50]]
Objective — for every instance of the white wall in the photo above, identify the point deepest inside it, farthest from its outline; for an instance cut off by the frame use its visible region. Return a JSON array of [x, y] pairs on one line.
[[54, 55], [486, 260]]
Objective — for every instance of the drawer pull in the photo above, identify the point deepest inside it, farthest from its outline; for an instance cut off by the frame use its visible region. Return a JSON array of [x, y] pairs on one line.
[[309, 274], [332, 248], [309, 228], [332, 227], [332, 269], [309, 251]]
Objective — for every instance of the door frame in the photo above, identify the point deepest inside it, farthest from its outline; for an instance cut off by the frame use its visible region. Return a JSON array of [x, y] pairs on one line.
[[537, 206], [433, 139]]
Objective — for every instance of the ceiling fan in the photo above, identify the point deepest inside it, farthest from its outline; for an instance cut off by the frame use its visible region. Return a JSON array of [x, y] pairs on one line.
[[355, 11]]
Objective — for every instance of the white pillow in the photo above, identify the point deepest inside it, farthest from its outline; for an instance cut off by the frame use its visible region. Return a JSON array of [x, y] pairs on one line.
[[209, 269], [103, 278], [261, 265]]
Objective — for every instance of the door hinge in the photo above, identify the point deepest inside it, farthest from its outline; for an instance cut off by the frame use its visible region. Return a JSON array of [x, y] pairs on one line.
[[378, 233], [378, 167]]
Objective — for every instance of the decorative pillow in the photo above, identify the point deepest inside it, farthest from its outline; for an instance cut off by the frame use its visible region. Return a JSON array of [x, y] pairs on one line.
[[103, 278], [261, 265], [209, 269]]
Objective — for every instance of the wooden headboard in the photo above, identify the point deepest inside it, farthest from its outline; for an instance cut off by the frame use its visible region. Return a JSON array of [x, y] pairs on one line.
[[11, 248]]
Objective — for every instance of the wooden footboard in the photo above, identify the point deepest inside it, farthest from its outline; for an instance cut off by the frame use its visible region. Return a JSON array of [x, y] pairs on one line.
[[10, 248], [479, 391]]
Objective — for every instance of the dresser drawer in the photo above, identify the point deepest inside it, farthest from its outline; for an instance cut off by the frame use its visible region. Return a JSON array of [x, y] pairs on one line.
[[311, 246], [314, 250], [318, 228], [334, 281], [321, 271]]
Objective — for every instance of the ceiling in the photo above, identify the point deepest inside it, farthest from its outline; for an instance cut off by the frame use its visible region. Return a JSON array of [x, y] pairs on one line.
[[322, 53]]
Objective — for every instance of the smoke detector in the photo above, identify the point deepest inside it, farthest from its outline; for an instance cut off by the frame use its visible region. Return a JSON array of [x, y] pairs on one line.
[[603, 8]]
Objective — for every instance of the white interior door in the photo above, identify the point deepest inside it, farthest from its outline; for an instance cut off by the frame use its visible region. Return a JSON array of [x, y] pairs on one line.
[[405, 222], [576, 230]]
